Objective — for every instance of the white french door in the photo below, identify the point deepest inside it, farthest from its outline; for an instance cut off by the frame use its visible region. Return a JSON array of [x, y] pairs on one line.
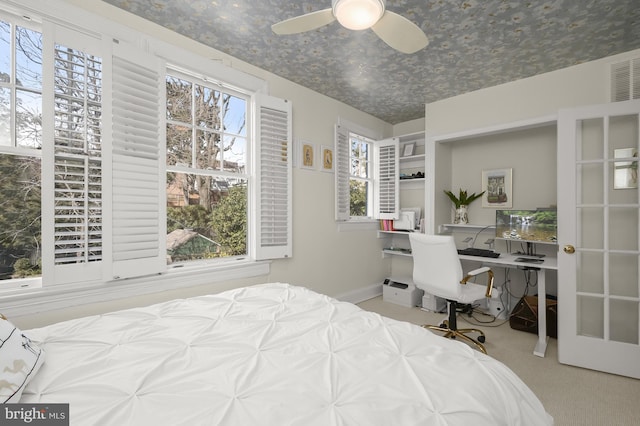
[[599, 237]]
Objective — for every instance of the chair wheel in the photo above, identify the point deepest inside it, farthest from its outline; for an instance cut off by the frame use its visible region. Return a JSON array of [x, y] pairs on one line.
[[443, 325], [481, 339]]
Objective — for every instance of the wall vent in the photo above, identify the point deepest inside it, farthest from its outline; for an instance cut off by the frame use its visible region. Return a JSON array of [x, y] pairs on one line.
[[625, 80]]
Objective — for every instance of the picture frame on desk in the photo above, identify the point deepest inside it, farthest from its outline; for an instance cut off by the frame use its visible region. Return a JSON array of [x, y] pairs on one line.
[[497, 185]]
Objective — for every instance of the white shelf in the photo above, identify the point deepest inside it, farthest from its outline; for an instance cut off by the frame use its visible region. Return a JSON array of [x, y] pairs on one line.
[[447, 228], [417, 183], [410, 158], [409, 165], [380, 232], [395, 253]]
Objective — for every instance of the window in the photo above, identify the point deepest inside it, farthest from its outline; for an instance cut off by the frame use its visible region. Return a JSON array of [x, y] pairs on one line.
[[20, 145], [360, 176], [367, 184], [104, 153], [207, 174]]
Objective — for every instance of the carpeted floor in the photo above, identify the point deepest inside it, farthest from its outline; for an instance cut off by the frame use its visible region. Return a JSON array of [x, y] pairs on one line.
[[573, 396]]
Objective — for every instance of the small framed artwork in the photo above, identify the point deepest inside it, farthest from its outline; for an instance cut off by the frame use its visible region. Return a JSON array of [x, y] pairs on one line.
[[326, 153], [307, 155], [408, 149], [497, 187]]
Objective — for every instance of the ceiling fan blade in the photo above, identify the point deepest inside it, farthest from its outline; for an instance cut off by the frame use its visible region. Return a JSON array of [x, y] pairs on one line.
[[400, 33], [303, 23]]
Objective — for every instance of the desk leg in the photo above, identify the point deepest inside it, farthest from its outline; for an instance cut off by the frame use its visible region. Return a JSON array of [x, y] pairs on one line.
[[541, 344]]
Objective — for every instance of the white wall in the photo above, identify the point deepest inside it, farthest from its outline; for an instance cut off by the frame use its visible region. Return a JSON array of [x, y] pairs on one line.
[[331, 262]]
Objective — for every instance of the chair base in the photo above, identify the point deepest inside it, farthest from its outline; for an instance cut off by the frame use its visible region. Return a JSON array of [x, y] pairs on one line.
[[460, 333]]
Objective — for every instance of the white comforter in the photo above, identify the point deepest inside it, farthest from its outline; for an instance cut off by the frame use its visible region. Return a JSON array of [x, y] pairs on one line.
[[272, 354]]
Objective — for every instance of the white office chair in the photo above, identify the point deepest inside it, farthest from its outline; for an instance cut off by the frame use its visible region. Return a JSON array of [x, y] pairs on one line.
[[437, 270]]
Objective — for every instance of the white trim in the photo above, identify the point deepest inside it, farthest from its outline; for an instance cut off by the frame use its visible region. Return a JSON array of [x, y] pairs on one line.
[[361, 294], [65, 296]]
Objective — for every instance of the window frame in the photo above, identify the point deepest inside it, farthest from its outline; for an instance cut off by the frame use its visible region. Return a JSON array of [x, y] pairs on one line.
[[192, 169], [368, 180], [20, 284]]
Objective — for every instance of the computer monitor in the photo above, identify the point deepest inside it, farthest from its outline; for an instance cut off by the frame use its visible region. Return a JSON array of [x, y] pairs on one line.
[[530, 226]]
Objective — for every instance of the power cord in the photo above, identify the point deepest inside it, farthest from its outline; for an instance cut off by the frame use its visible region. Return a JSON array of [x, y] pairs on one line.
[[473, 244], [472, 312]]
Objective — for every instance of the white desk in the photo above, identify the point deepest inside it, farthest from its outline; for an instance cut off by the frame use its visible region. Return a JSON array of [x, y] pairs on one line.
[[550, 264]]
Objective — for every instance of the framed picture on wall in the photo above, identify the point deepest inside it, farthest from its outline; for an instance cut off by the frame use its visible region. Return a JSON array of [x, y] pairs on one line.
[[307, 155], [326, 153], [497, 187]]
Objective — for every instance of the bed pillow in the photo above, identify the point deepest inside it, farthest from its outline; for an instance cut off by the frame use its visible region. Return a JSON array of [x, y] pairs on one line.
[[20, 360]]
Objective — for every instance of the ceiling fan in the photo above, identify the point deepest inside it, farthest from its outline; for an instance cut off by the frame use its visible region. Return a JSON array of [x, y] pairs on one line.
[[395, 30]]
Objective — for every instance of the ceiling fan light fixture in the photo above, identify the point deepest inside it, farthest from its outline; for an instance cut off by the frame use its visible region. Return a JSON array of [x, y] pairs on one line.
[[358, 14]]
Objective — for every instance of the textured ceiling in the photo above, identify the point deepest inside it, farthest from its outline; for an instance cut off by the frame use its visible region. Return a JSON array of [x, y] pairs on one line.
[[473, 44]]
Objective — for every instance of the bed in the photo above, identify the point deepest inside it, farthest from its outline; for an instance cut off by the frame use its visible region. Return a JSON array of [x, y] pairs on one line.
[[270, 354]]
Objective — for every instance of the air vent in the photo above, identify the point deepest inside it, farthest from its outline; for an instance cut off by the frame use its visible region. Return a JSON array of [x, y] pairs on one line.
[[625, 80]]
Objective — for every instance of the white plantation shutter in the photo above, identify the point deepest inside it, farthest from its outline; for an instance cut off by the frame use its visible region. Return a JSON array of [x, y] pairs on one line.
[[103, 208], [273, 166], [137, 158], [73, 184], [341, 159], [386, 179]]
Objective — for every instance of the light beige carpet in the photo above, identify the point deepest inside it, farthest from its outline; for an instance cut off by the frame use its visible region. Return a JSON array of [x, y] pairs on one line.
[[573, 396]]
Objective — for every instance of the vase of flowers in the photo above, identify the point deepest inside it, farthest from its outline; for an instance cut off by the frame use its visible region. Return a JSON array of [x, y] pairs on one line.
[[461, 202]]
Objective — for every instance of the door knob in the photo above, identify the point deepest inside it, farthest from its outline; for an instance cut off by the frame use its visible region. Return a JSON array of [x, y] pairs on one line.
[[569, 249]]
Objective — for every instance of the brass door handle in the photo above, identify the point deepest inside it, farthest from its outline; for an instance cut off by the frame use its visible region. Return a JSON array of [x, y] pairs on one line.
[[569, 249]]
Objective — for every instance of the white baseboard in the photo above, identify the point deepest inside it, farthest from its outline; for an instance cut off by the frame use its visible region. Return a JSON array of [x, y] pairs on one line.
[[361, 294]]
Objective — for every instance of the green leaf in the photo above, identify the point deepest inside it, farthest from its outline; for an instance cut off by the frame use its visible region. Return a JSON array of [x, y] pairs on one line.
[[463, 199]]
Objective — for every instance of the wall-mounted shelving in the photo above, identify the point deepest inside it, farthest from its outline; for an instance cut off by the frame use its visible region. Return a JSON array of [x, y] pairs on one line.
[[397, 243], [414, 163]]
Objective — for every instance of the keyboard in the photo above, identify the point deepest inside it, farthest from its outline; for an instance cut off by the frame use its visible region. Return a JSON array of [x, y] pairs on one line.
[[478, 252]]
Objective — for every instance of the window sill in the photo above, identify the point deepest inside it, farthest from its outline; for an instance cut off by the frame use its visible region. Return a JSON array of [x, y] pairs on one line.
[[42, 299]]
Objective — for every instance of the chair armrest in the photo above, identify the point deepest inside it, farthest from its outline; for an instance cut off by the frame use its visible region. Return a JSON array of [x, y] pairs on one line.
[[479, 271]]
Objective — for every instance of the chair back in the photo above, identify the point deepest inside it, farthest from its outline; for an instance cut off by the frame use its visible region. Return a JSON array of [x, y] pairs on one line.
[[436, 265]]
